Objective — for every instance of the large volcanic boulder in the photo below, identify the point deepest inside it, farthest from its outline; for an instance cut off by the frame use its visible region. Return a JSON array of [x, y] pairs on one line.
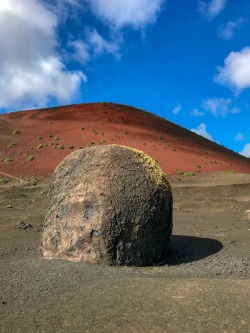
[[110, 204]]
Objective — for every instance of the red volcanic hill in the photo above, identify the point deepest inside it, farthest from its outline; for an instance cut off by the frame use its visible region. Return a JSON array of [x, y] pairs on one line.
[[48, 135]]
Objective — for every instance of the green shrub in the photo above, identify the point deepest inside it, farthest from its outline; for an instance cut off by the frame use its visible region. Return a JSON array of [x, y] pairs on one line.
[[91, 144], [16, 131], [57, 138], [50, 135], [31, 158], [33, 180], [3, 181], [60, 147], [39, 137], [82, 128], [11, 145], [180, 172], [198, 166], [7, 160], [102, 141], [71, 147], [188, 174], [231, 171], [40, 146]]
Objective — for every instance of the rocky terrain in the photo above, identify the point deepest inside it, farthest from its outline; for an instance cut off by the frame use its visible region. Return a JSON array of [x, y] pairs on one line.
[[203, 286]]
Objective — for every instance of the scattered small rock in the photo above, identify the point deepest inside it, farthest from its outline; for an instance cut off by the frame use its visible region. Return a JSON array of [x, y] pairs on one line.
[[246, 215], [24, 226], [9, 206]]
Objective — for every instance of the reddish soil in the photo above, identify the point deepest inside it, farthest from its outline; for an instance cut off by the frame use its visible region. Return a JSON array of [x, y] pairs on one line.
[[175, 148]]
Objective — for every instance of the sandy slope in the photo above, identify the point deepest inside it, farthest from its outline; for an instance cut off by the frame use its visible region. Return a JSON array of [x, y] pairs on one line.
[[175, 148], [205, 286]]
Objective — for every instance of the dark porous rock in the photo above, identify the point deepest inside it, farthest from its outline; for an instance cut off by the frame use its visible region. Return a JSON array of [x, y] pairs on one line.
[[108, 204], [24, 226]]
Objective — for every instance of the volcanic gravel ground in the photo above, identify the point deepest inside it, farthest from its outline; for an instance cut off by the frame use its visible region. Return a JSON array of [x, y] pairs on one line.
[[203, 287]]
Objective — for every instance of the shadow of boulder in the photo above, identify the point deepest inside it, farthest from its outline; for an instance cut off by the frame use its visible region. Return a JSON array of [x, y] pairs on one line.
[[185, 249]]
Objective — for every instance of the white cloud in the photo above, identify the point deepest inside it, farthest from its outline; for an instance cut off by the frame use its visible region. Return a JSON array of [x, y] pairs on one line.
[[99, 45], [246, 150], [202, 130], [212, 8], [197, 113], [236, 71], [31, 71], [177, 109], [121, 13], [219, 106], [227, 32], [239, 137], [94, 45], [81, 51]]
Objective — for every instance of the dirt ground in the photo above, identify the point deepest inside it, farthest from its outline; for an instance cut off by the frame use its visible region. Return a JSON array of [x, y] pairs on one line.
[[203, 287]]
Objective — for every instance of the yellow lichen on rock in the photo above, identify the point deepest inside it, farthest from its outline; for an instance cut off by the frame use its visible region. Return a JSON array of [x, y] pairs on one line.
[[150, 164]]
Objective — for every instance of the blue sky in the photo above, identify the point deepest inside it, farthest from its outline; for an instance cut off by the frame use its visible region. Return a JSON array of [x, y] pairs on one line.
[[187, 61]]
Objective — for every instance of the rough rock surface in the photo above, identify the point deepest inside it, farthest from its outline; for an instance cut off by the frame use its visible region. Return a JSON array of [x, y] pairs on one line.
[[246, 215], [110, 204]]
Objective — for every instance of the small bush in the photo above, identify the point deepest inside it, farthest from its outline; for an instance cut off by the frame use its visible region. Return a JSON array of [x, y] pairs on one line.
[[50, 135], [188, 174], [50, 122], [91, 144], [161, 137], [40, 146], [11, 145], [31, 158], [60, 147], [198, 166], [180, 172], [39, 137], [231, 171], [16, 131], [80, 147], [3, 181], [71, 147], [7, 160], [82, 128], [102, 141], [57, 138], [33, 180]]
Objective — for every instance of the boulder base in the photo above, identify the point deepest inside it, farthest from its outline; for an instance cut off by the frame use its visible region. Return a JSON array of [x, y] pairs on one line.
[[110, 204]]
